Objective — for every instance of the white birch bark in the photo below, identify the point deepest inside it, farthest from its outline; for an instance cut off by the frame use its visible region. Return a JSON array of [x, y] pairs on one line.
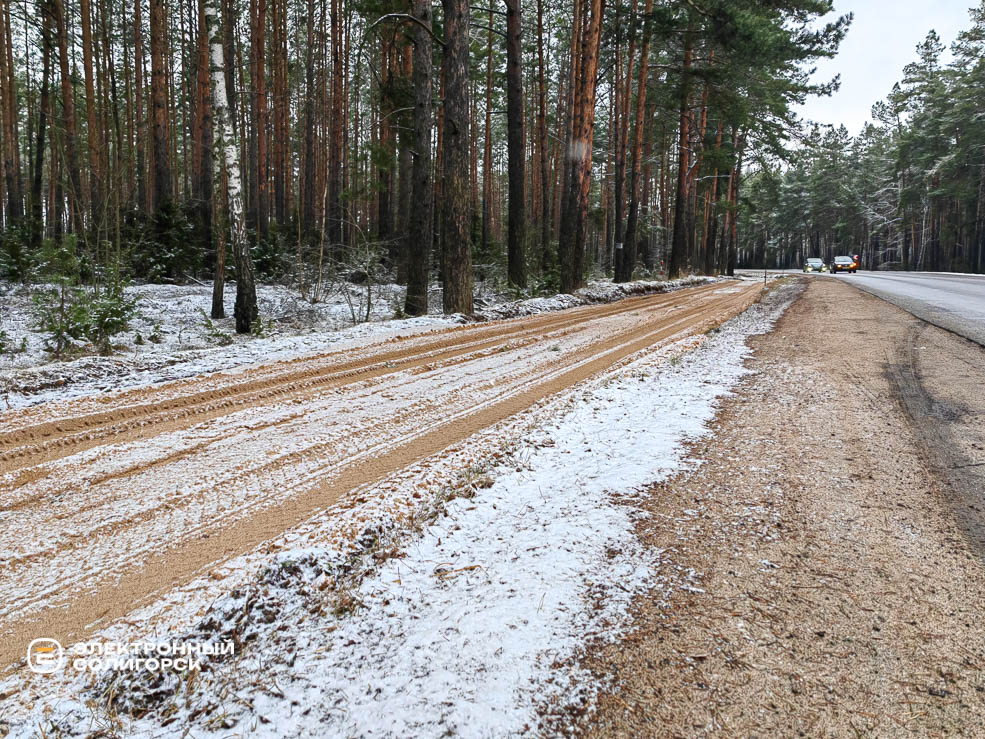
[[225, 145]]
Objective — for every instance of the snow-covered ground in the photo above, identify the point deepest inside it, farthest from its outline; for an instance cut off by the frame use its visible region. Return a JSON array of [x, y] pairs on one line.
[[467, 619], [171, 336]]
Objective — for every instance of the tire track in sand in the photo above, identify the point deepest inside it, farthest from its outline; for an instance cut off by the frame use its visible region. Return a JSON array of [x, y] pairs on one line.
[[146, 412], [112, 594]]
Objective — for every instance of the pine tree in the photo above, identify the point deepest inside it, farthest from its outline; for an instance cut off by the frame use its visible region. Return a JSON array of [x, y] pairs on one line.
[[455, 236]]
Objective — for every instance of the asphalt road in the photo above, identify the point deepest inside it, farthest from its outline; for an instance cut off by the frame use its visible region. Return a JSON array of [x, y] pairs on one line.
[[955, 302]]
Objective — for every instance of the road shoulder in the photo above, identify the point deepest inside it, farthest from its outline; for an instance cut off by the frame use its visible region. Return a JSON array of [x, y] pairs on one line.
[[835, 591]]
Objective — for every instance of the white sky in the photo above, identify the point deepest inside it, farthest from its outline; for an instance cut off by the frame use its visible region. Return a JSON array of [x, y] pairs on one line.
[[881, 41]]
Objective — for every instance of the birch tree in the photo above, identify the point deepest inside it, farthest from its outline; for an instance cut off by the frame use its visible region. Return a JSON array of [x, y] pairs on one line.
[[227, 154]]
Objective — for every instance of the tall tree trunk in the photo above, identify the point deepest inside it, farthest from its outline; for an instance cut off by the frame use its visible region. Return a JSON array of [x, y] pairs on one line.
[[664, 196], [281, 101], [573, 82], [284, 117], [516, 260], [350, 99], [421, 220], [437, 202], [245, 311], [95, 175], [730, 230], [336, 123], [159, 51], [129, 151], [574, 216], [31, 99], [258, 41], [140, 115], [113, 189], [385, 180], [203, 177], [632, 220], [621, 259], [545, 175], [182, 98], [487, 145], [405, 163], [457, 249], [608, 254], [711, 209], [678, 247], [15, 110], [310, 157], [229, 49], [37, 222], [474, 208], [68, 117], [10, 111], [979, 262], [645, 240]]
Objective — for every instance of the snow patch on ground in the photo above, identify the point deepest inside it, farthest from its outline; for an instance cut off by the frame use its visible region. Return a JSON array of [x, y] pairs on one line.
[[474, 625], [175, 340], [602, 291], [170, 338]]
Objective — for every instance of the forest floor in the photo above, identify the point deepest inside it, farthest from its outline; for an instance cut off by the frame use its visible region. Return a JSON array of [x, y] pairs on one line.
[[835, 523], [171, 336], [402, 537]]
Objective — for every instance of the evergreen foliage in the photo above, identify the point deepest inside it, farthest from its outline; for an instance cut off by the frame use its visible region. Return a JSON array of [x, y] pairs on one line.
[[908, 192]]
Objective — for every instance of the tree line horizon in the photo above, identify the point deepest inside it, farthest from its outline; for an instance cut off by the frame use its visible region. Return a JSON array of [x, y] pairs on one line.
[[534, 142], [907, 192]]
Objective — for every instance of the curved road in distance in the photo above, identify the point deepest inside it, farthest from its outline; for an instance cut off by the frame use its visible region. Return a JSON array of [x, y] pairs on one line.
[[955, 302]]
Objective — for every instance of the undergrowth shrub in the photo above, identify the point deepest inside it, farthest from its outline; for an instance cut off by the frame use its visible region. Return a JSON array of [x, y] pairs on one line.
[[212, 332], [548, 283], [69, 313], [9, 346], [15, 261]]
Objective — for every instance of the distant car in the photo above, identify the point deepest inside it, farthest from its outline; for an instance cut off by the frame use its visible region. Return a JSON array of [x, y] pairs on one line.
[[843, 264], [815, 265]]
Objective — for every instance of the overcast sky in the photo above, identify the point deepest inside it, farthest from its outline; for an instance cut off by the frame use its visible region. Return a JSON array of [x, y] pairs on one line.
[[881, 41]]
